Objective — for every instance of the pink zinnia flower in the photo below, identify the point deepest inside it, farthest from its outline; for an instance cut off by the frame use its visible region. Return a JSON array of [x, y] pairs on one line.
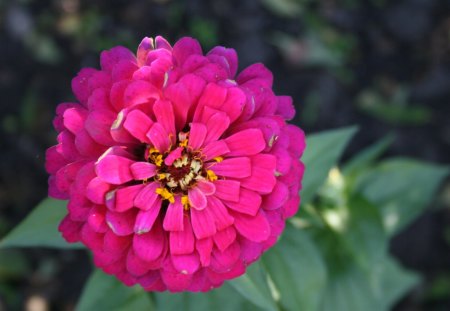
[[178, 174]]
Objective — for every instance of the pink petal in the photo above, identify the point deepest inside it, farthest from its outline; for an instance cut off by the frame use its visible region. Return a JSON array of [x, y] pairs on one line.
[[74, 119], [231, 58], [227, 190], [234, 103], [159, 137], [285, 107], [96, 219], [276, 198], [70, 229], [250, 251], [185, 47], [297, 141], [98, 124], [182, 242], [87, 146], [225, 238], [108, 59], [118, 132], [257, 73], [249, 202], [215, 149], [146, 219], [263, 178], [162, 43], [204, 249], [139, 92], [80, 84], [220, 213], [144, 47], [165, 116], [123, 197], [216, 126], [135, 265], [123, 70], [202, 223], [99, 100], [179, 96], [113, 243], [255, 228], [173, 220], [197, 135], [121, 223], [143, 170], [114, 169], [247, 142], [206, 187], [117, 95], [173, 279], [54, 160], [233, 167], [186, 264], [149, 246], [173, 155], [147, 196], [224, 261], [212, 96], [197, 198], [138, 124]]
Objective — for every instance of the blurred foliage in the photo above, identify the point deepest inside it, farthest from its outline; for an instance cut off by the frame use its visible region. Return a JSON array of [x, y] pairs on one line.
[[333, 255]]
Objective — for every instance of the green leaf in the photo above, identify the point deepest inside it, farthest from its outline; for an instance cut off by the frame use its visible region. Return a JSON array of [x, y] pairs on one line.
[[350, 290], [401, 188], [223, 298], [40, 228], [322, 153], [297, 270], [363, 233], [366, 157], [253, 286], [392, 281], [103, 292]]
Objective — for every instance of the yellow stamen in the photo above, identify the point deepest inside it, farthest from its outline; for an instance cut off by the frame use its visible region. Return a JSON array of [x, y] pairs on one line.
[[211, 175], [158, 160], [183, 143], [165, 194], [185, 202], [218, 159], [153, 150], [161, 176]]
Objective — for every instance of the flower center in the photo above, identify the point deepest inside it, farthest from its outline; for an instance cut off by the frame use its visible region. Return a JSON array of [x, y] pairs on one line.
[[179, 169]]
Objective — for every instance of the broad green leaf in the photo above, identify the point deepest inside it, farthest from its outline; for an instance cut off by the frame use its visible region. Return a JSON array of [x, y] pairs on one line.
[[40, 228], [297, 270], [322, 153], [223, 298], [363, 232], [350, 290], [103, 292], [392, 282], [401, 188], [253, 286], [366, 157]]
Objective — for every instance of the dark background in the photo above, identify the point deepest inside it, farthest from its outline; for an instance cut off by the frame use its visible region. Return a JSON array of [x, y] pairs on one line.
[[383, 65]]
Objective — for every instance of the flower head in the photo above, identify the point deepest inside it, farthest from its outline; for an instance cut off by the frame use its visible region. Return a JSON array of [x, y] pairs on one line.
[[178, 174]]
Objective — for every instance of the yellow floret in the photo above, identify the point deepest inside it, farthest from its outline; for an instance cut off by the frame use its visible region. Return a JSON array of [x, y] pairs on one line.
[[211, 175], [185, 202], [165, 194], [218, 159]]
